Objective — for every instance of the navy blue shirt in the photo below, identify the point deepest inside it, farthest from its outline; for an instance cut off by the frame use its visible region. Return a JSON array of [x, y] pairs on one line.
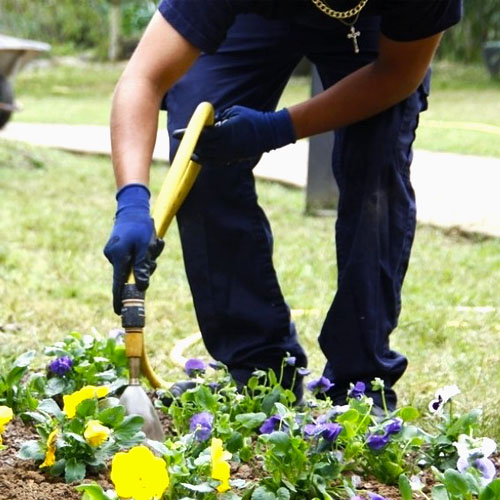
[[205, 22]]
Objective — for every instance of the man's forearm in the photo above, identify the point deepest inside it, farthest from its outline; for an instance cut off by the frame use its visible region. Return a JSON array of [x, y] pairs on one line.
[[373, 88], [134, 124]]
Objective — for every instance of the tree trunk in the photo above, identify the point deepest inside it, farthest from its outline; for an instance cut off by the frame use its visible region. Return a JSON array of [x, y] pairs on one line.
[[114, 30]]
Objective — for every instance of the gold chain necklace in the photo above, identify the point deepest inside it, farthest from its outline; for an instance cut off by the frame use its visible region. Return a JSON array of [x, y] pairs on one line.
[[341, 15]]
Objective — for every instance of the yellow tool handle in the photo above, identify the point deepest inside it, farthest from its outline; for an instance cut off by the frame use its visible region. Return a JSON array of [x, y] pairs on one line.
[[181, 174], [177, 184]]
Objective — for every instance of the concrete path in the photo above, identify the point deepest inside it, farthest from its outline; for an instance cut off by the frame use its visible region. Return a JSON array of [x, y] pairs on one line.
[[452, 190]]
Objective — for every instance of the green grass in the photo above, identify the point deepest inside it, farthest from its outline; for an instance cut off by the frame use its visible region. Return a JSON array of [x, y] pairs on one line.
[[82, 94], [57, 212]]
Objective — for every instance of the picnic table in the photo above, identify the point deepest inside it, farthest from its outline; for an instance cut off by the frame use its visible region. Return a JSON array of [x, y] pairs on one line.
[[15, 53]]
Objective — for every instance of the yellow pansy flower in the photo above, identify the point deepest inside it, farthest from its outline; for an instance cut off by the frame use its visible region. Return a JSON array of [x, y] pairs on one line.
[[139, 474], [50, 454], [6, 415], [95, 433], [220, 468], [71, 401]]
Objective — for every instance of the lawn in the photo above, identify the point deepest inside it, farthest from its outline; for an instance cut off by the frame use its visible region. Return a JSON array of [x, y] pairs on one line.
[[463, 115], [57, 211]]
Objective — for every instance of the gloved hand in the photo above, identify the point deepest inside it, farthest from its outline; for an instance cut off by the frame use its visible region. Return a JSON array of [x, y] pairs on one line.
[[133, 242], [241, 133]]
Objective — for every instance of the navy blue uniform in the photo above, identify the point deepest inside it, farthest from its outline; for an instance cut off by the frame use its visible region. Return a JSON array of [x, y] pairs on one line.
[[249, 50]]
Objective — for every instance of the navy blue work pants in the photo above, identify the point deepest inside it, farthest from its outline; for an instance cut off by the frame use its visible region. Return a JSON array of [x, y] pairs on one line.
[[226, 238]]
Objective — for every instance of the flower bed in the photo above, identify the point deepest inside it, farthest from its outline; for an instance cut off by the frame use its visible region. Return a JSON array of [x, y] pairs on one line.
[[65, 433]]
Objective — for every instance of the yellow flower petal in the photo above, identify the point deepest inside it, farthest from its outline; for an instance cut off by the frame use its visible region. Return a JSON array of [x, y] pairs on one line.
[[139, 474], [71, 401], [96, 433], [6, 415], [50, 454], [220, 469]]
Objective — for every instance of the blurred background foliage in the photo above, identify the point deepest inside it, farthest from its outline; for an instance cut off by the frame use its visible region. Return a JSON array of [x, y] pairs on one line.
[[73, 25]]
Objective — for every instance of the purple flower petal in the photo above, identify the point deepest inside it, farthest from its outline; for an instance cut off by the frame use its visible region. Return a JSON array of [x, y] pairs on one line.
[[375, 496], [320, 385], [377, 441], [61, 366], [194, 366], [486, 467], [312, 429], [394, 426], [291, 360], [357, 390], [201, 425], [331, 431], [270, 424], [216, 365], [303, 372]]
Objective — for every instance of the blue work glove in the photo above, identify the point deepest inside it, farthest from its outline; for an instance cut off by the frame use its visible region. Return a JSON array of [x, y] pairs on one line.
[[133, 242], [241, 133]]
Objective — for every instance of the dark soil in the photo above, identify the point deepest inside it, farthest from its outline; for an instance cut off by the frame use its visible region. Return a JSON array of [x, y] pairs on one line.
[[23, 480]]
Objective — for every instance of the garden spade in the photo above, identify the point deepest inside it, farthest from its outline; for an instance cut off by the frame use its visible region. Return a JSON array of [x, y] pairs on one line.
[[177, 184]]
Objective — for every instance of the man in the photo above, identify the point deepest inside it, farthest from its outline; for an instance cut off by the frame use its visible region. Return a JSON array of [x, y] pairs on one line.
[[373, 58]]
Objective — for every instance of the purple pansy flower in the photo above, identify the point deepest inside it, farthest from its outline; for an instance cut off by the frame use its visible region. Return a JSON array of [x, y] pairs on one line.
[[331, 431], [378, 441], [201, 425], [312, 429], [357, 390], [291, 360], [375, 496], [474, 453], [303, 372], [394, 426], [61, 366], [194, 367], [320, 385], [216, 365], [270, 424]]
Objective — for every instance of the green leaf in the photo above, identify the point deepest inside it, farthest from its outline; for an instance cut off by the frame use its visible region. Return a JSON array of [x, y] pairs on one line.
[[87, 408], [157, 447], [31, 450], [92, 492], [25, 359], [204, 398], [350, 415], [76, 437], [492, 491], [253, 383], [251, 420], [439, 493], [51, 407], [262, 493], [235, 442], [455, 483], [74, 471], [283, 494], [269, 401], [112, 417], [130, 426], [405, 487], [408, 413], [199, 488], [280, 440], [55, 385], [37, 417]]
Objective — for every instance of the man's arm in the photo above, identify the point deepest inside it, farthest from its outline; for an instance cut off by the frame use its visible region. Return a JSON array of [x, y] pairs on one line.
[[393, 76], [160, 59], [246, 133]]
